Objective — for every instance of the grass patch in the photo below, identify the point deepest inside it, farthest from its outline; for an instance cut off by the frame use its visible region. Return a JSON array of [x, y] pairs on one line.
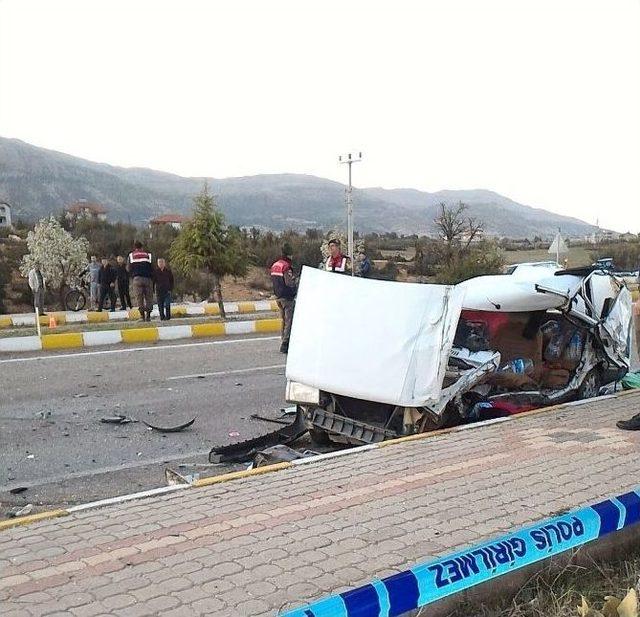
[[557, 592]]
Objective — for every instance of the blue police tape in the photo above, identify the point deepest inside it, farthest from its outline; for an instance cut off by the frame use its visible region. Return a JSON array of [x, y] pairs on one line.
[[437, 579]]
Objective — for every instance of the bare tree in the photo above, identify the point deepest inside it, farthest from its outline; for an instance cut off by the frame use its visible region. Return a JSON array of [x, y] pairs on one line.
[[456, 230]]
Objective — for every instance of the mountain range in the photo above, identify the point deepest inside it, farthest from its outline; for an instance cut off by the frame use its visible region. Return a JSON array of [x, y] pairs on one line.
[[37, 182]]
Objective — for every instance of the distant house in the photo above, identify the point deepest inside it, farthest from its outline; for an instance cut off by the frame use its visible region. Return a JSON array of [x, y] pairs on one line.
[[173, 220], [602, 235], [628, 237], [5, 214], [83, 209]]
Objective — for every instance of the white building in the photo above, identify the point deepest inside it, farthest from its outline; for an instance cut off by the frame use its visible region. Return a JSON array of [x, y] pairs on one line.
[[5, 214]]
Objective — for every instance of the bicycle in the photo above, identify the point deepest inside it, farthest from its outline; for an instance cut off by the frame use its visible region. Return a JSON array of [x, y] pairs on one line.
[[76, 298]]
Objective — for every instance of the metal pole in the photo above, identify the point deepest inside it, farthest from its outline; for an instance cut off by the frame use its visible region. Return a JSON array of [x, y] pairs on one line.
[[349, 160], [350, 222]]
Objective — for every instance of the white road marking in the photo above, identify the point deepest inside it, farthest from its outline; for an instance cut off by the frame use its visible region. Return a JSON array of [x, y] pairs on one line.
[[162, 490], [236, 371], [130, 349], [53, 479]]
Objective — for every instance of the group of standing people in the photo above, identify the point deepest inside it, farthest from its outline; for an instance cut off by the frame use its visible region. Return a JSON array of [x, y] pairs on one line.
[[138, 272], [104, 278]]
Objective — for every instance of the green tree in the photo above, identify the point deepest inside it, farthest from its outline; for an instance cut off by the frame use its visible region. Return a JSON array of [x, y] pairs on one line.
[[207, 243]]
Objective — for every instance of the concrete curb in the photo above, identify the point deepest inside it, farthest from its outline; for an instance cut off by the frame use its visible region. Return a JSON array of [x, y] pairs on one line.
[[248, 473], [74, 340], [177, 310]]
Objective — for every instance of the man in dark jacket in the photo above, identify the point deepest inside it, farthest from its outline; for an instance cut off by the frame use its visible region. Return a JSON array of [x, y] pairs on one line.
[[163, 281], [284, 288], [122, 278], [140, 269], [107, 283]]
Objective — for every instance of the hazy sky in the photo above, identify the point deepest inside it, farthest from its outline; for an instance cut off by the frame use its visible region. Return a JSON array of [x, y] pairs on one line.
[[536, 99]]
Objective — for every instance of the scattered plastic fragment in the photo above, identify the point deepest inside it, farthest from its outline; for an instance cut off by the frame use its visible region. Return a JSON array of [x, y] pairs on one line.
[[20, 511], [255, 416], [117, 419], [170, 429]]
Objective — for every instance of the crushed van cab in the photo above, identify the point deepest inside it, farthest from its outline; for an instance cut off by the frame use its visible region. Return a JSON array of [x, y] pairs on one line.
[[372, 360]]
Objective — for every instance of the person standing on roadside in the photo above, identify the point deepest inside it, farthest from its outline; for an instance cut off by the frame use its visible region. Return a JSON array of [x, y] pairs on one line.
[[38, 287], [122, 278], [336, 262], [94, 286], [107, 283], [284, 288], [140, 269], [163, 281]]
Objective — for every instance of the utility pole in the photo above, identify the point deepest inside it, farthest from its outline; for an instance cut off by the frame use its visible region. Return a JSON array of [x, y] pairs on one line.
[[349, 159]]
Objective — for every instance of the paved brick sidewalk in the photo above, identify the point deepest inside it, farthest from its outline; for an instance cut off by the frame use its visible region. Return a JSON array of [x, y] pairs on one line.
[[262, 544]]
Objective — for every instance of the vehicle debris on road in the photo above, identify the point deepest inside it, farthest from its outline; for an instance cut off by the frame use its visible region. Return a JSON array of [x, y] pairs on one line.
[[19, 511], [255, 416], [170, 429], [117, 419], [244, 451], [280, 454]]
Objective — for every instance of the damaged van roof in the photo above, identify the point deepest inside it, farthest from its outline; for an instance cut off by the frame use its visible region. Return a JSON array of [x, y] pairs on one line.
[[537, 292]]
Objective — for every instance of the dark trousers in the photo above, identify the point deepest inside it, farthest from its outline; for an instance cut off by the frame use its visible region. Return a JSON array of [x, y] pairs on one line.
[[164, 304], [125, 298], [286, 306], [143, 290], [104, 291]]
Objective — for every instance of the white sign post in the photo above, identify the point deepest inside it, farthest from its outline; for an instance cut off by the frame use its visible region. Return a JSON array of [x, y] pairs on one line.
[[38, 322], [558, 246]]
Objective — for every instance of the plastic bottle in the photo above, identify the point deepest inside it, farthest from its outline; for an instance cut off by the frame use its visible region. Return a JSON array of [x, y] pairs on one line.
[[550, 328], [554, 348], [573, 351], [518, 366]]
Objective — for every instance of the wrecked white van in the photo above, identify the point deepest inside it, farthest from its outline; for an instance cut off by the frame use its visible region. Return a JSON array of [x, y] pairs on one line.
[[372, 360]]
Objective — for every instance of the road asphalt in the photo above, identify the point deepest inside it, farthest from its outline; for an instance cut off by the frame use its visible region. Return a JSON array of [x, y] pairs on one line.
[[52, 441]]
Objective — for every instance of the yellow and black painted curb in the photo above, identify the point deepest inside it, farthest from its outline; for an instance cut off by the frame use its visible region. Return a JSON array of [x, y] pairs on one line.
[[177, 310], [74, 340]]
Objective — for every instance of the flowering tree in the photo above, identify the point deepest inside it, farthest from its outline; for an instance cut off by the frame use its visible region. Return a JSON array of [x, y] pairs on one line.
[[60, 256]]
